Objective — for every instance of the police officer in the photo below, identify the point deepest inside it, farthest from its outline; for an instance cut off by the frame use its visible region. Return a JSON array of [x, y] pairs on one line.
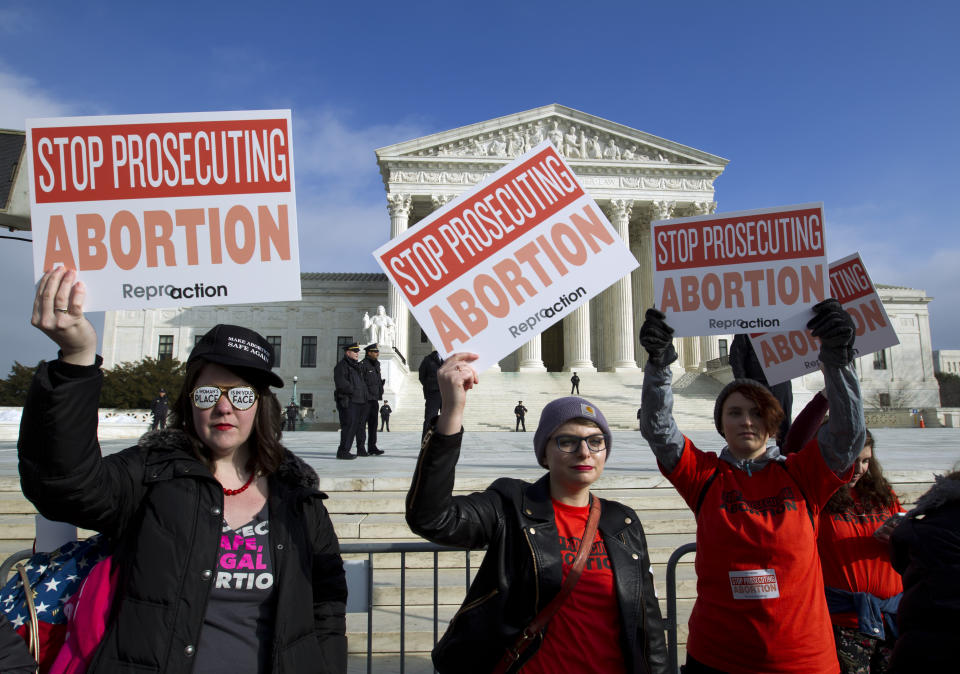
[[370, 366], [160, 407], [351, 394]]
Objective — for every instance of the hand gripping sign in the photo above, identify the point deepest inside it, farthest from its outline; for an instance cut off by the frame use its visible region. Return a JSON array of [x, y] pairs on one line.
[[506, 260], [786, 355], [739, 272], [167, 210]]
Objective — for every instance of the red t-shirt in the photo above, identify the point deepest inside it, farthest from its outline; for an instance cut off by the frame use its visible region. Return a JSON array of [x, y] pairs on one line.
[[584, 635], [852, 558], [760, 604]]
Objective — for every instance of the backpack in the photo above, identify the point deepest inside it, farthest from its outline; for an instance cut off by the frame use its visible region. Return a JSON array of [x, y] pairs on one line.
[[52, 578]]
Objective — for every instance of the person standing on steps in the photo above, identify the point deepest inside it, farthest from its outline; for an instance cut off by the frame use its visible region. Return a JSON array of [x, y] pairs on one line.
[[574, 384], [432, 400], [385, 412], [520, 411], [370, 366], [351, 393]]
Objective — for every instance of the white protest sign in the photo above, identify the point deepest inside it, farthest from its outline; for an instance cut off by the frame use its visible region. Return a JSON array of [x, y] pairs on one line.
[[741, 271], [506, 260], [169, 209], [784, 356]]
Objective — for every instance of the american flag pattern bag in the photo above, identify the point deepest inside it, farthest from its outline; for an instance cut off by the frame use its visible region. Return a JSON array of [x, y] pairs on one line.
[[52, 578]]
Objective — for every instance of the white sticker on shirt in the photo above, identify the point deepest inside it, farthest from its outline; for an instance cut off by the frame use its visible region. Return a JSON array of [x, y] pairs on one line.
[[754, 584]]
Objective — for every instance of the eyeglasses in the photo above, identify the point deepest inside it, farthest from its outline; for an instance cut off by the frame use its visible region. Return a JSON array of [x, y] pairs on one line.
[[571, 443], [241, 397]]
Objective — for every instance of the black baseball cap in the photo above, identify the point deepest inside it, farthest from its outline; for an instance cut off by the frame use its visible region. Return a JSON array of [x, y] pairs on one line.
[[237, 347]]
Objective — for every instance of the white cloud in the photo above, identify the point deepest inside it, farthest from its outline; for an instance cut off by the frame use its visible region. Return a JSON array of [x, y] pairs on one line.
[[341, 201], [23, 98]]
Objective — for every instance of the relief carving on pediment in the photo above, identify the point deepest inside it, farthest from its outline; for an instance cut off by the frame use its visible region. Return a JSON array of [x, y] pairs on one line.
[[572, 141]]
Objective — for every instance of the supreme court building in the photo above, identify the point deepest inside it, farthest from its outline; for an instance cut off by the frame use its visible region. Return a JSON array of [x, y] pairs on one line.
[[634, 176]]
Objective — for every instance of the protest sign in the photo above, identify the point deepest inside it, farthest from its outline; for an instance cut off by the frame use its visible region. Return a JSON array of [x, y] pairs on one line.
[[786, 355], [506, 260], [741, 271], [167, 210]]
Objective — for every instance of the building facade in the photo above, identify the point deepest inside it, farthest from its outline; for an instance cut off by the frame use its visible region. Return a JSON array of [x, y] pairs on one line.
[[635, 178]]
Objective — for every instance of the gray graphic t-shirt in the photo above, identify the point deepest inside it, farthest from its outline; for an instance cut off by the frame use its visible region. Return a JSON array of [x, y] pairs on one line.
[[238, 626]]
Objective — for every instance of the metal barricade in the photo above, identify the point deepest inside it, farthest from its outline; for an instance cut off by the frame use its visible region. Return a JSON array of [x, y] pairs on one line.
[[670, 620], [370, 549], [9, 563]]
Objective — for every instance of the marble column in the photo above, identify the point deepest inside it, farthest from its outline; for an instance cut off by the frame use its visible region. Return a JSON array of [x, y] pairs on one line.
[[709, 350], [692, 362], [661, 210], [399, 206], [531, 358], [576, 340], [619, 314]]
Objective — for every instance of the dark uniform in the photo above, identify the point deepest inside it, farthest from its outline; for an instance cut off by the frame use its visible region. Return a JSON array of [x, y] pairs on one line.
[[385, 412], [431, 387], [160, 408], [292, 417], [351, 394], [370, 367], [574, 384], [520, 411]]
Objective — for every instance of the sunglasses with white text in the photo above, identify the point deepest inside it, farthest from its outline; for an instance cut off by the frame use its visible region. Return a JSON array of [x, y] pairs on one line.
[[241, 397]]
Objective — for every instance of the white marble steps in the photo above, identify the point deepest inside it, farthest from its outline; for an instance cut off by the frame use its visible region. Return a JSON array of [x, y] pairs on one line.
[[617, 394]]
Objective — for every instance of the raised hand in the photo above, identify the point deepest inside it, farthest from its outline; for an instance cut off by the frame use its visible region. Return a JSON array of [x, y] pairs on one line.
[[657, 338], [58, 313], [835, 329], [456, 376]]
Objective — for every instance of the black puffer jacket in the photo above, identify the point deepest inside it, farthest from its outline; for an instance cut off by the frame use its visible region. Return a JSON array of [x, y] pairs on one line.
[[926, 551], [521, 571], [164, 510]]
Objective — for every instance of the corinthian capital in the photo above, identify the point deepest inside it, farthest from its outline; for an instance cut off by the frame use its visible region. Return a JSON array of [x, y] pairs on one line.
[[661, 210], [621, 208], [440, 200], [704, 207], [399, 204]]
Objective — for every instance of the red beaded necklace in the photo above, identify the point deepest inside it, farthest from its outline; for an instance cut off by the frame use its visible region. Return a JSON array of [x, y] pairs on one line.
[[234, 492]]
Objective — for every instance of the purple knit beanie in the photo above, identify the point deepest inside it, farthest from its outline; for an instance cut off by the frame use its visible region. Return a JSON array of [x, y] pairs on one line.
[[558, 412]]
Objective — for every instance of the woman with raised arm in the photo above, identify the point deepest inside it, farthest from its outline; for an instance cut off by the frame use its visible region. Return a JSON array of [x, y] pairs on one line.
[[565, 584], [227, 558], [862, 587], [760, 601]]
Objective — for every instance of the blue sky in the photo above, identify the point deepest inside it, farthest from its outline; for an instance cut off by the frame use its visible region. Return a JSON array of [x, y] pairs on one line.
[[851, 103]]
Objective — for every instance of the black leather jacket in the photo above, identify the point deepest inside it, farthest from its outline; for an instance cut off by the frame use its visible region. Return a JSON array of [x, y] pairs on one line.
[[521, 571]]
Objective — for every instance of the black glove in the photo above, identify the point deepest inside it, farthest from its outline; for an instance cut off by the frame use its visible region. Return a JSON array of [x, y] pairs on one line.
[[835, 329], [657, 338]]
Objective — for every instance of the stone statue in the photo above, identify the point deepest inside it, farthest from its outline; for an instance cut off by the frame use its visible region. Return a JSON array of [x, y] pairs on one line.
[[380, 328], [556, 136], [612, 151]]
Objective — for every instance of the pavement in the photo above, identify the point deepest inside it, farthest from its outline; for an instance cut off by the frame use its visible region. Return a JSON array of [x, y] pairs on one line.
[[495, 454]]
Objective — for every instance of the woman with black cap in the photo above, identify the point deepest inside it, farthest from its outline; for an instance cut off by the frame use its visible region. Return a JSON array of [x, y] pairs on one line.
[[227, 558], [542, 599], [760, 600]]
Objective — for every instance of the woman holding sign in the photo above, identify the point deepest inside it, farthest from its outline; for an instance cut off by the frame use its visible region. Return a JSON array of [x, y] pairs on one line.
[[565, 584], [760, 599], [227, 558]]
